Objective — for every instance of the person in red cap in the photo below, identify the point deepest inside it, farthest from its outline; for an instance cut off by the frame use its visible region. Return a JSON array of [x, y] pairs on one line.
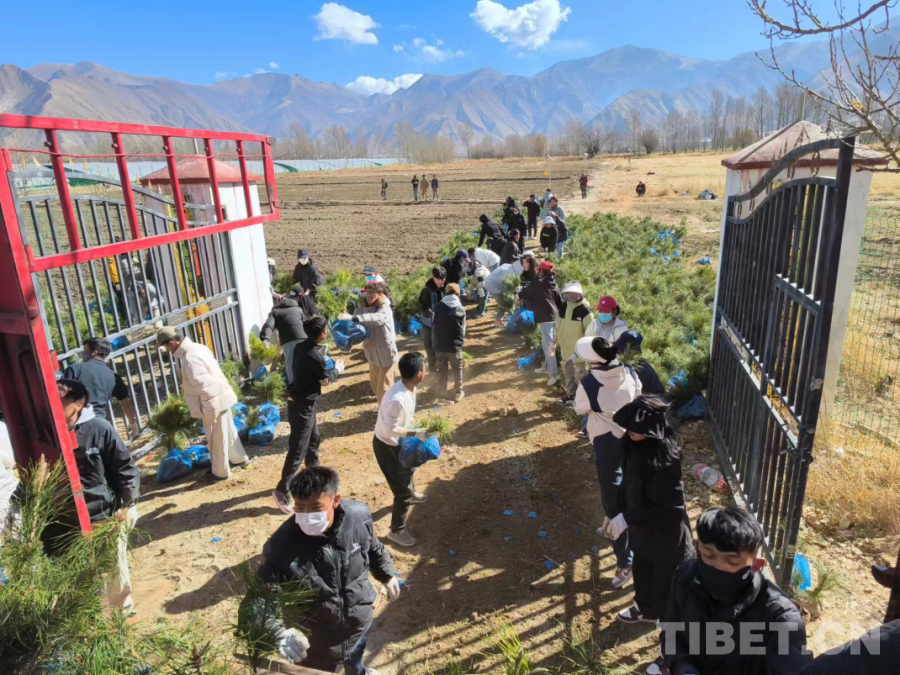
[[607, 324], [542, 297]]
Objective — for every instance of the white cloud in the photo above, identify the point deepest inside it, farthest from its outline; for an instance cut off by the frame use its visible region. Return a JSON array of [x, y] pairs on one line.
[[429, 53], [273, 65], [398, 48], [337, 22], [223, 75], [260, 71], [377, 85], [418, 42], [529, 26], [438, 42]]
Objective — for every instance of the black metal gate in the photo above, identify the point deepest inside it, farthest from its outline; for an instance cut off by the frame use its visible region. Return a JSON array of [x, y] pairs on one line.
[[774, 305]]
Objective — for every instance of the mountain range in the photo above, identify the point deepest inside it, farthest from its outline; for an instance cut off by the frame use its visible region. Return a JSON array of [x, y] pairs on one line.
[[597, 90]]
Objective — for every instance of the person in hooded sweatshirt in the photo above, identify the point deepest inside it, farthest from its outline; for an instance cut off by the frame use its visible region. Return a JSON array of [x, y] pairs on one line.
[[723, 592], [429, 298], [517, 222], [307, 274], [542, 297], [608, 387], [110, 482], [549, 237], [457, 267], [494, 284], [655, 516], [448, 337], [489, 230], [607, 324], [574, 318], [380, 347], [287, 316], [512, 251]]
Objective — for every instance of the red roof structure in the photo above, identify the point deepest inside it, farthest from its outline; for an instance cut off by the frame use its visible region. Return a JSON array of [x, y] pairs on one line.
[[195, 170], [764, 153]]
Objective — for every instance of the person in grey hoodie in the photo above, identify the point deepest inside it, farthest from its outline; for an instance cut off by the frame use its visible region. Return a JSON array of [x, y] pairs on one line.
[[380, 346], [448, 335]]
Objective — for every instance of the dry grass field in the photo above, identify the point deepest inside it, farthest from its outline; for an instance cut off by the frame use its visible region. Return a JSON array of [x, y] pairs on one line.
[[474, 568]]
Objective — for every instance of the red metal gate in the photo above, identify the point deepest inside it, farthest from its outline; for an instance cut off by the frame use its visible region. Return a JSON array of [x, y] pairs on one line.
[[36, 259]]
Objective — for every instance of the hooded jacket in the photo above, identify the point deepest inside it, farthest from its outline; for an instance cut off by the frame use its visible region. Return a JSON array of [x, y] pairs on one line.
[[449, 330], [574, 318], [549, 237], [510, 253], [487, 258], [534, 209], [517, 222], [336, 567], [490, 229], [763, 604], [309, 372], [109, 477], [562, 231], [456, 269], [102, 382], [288, 317], [206, 389], [380, 347], [597, 329], [616, 386], [429, 298], [542, 297], [308, 276]]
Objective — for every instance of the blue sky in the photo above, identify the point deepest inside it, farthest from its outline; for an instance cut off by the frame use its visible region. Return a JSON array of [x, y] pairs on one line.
[[199, 41]]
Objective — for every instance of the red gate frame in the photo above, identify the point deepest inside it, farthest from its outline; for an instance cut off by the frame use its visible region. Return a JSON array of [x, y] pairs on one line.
[[27, 365]]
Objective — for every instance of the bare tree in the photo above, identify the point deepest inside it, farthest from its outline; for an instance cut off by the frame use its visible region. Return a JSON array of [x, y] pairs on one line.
[[467, 135], [596, 139], [297, 144], [337, 143], [633, 120], [650, 140], [861, 94], [761, 111], [716, 109]]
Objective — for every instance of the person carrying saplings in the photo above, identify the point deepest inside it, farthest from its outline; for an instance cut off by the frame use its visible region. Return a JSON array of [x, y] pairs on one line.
[[310, 374], [448, 336], [429, 298], [549, 237], [489, 230], [655, 516], [574, 318], [330, 544], [457, 267], [287, 316], [307, 274], [380, 346]]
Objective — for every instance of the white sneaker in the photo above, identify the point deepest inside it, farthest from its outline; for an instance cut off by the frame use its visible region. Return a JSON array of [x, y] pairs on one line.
[[622, 577], [404, 538], [633, 615], [419, 498], [282, 502], [552, 381]]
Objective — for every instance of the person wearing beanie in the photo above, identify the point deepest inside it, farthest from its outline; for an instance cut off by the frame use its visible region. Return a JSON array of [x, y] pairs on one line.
[[549, 237], [574, 318], [310, 372], [448, 335], [542, 297], [287, 316], [608, 387], [655, 515], [489, 230], [457, 267], [307, 274], [607, 324]]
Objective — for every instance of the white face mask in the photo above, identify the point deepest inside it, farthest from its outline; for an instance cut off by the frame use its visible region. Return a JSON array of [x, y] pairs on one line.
[[303, 261], [312, 524]]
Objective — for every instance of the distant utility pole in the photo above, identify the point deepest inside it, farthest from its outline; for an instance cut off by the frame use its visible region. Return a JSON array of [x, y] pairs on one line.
[[550, 173]]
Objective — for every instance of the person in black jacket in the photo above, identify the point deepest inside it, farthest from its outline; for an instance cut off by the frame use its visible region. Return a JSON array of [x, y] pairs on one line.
[[562, 235], [508, 207], [110, 482], [529, 271], [447, 338], [517, 222], [457, 267], [534, 210], [549, 236], [655, 516], [288, 316], [512, 249], [307, 274], [489, 229], [330, 543], [629, 345], [725, 591], [102, 382], [542, 297], [429, 298], [310, 373]]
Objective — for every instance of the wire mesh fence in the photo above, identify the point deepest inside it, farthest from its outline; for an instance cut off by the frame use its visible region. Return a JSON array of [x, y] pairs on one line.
[[868, 395]]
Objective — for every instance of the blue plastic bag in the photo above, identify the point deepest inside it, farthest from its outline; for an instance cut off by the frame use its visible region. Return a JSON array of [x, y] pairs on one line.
[[527, 361], [262, 434], [240, 410], [269, 414], [521, 319], [415, 328], [260, 373], [240, 425], [695, 409], [704, 261], [414, 452], [175, 464], [119, 343], [679, 379], [329, 363], [801, 568], [200, 456], [346, 334]]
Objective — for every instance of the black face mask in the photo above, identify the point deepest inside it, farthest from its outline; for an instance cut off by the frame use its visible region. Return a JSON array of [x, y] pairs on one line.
[[725, 586]]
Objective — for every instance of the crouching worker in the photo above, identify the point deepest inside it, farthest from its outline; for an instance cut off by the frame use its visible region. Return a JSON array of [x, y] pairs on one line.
[[110, 482], [724, 593], [330, 544]]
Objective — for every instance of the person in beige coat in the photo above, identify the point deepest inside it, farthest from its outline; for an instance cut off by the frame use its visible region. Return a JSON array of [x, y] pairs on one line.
[[380, 347], [209, 397]]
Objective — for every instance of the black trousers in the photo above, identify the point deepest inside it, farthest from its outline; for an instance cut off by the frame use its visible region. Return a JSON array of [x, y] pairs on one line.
[[303, 443], [532, 227], [430, 354], [658, 553], [399, 479]]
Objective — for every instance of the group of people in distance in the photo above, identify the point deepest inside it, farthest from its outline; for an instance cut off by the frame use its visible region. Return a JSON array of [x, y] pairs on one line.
[[696, 585], [422, 186]]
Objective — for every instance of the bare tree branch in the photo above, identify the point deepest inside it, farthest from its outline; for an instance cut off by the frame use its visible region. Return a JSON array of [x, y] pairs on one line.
[[801, 10]]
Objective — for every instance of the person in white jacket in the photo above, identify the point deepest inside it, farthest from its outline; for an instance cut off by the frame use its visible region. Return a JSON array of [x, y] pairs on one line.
[[609, 386], [209, 397], [607, 324]]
